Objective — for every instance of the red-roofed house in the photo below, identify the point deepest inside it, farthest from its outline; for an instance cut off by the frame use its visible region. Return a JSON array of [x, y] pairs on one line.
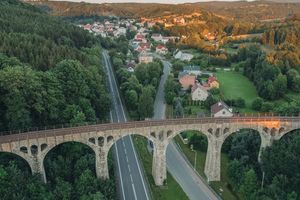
[[144, 47], [187, 81], [161, 49], [213, 82], [87, 27], [140, 38]]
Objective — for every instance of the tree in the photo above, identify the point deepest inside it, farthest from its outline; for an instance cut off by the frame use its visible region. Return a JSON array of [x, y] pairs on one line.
[[78, 118], [132, 99], [240, 102], [249, 185], [86, 184], [146, 101], [170, 90], [257, 104], [178, 108], [199, 142], [62, 189], [280, 85]]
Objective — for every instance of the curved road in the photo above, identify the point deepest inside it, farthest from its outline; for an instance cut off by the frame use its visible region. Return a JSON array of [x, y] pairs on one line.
[[193, 185]]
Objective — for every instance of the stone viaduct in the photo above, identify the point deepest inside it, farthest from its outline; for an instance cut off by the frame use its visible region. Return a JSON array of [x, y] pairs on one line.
[[34, 146]]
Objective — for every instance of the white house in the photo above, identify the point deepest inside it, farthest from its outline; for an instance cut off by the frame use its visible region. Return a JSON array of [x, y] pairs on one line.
[[199, 93], [220, 109], [192, 69], [145, 58], [183, 56], [157, 37]]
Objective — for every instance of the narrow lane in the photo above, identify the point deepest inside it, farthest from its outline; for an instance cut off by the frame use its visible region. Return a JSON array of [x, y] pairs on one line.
[[188, 179], [131, 181]]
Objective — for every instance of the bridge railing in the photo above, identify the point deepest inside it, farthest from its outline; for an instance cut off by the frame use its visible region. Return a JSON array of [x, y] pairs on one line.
[[105, 125]]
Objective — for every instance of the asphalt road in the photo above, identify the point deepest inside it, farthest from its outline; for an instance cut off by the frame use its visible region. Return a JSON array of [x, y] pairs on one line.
[[131, 181], [188, 179]]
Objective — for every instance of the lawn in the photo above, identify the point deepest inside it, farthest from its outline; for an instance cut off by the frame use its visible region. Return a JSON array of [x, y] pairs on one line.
[[172, 190], [234, 85]]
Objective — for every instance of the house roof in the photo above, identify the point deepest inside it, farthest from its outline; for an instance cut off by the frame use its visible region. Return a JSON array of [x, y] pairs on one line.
[[196, 86], [156, 35], [160, 46], [211, 79], [219, 106], [191, 68], [182, 74], [187, 80]]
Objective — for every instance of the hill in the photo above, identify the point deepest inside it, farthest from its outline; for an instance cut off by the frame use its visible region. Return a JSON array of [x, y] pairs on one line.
[[242, 10], [36, 52]]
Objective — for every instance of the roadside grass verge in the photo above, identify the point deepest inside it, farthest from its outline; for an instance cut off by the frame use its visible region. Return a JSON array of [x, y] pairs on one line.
[[172, 190], [223, 187]]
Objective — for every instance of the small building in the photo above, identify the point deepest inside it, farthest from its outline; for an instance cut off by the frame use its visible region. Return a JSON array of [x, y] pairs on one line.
[[186, 81], [192, 69], [145, 58], [140, 38], [213, 82], [183, 56], [157, 37], [143, 47], [220, 109], [130, 66], [161, 49], [199, 93]]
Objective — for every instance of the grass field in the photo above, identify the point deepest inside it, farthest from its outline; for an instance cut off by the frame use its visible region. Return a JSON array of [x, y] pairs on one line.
[[234, 85], [172, 190]]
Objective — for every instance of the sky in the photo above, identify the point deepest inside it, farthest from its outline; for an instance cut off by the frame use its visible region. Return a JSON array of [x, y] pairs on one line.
[[145, 1]]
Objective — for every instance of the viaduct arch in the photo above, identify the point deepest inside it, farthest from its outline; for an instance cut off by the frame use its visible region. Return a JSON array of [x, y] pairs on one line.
[[34, 146]]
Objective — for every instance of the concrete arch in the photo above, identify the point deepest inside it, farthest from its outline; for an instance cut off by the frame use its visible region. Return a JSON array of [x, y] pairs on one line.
[[116, 138], [175, 133], [53, 147], [283, 133], [21, 157]]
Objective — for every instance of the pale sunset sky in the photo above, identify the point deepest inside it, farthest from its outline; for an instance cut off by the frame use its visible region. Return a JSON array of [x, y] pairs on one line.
[[145, 1]]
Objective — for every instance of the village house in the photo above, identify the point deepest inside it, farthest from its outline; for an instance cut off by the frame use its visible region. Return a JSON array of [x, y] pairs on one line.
[[183, 56], [186, 81], [161, 49], [213, 82], [145, 58], [199, 93], [157, 37], [220, 109], [130, 65], [143, 47], [192, 69], [139, 38]]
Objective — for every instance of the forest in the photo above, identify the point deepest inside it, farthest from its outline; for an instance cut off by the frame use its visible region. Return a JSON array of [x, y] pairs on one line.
[[50, 74], [274, 177]]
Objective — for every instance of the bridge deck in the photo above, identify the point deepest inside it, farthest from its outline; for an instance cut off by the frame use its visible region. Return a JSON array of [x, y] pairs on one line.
[[140, 124]]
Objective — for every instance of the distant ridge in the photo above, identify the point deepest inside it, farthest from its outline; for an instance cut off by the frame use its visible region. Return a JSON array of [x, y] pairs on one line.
[[240, 10]]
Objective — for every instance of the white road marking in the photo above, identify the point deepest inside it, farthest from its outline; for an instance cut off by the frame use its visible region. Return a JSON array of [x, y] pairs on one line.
[[114, 101], [118, 163]]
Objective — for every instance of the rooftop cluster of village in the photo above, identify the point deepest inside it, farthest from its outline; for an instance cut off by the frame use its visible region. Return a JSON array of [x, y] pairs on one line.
[[146, 45]]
